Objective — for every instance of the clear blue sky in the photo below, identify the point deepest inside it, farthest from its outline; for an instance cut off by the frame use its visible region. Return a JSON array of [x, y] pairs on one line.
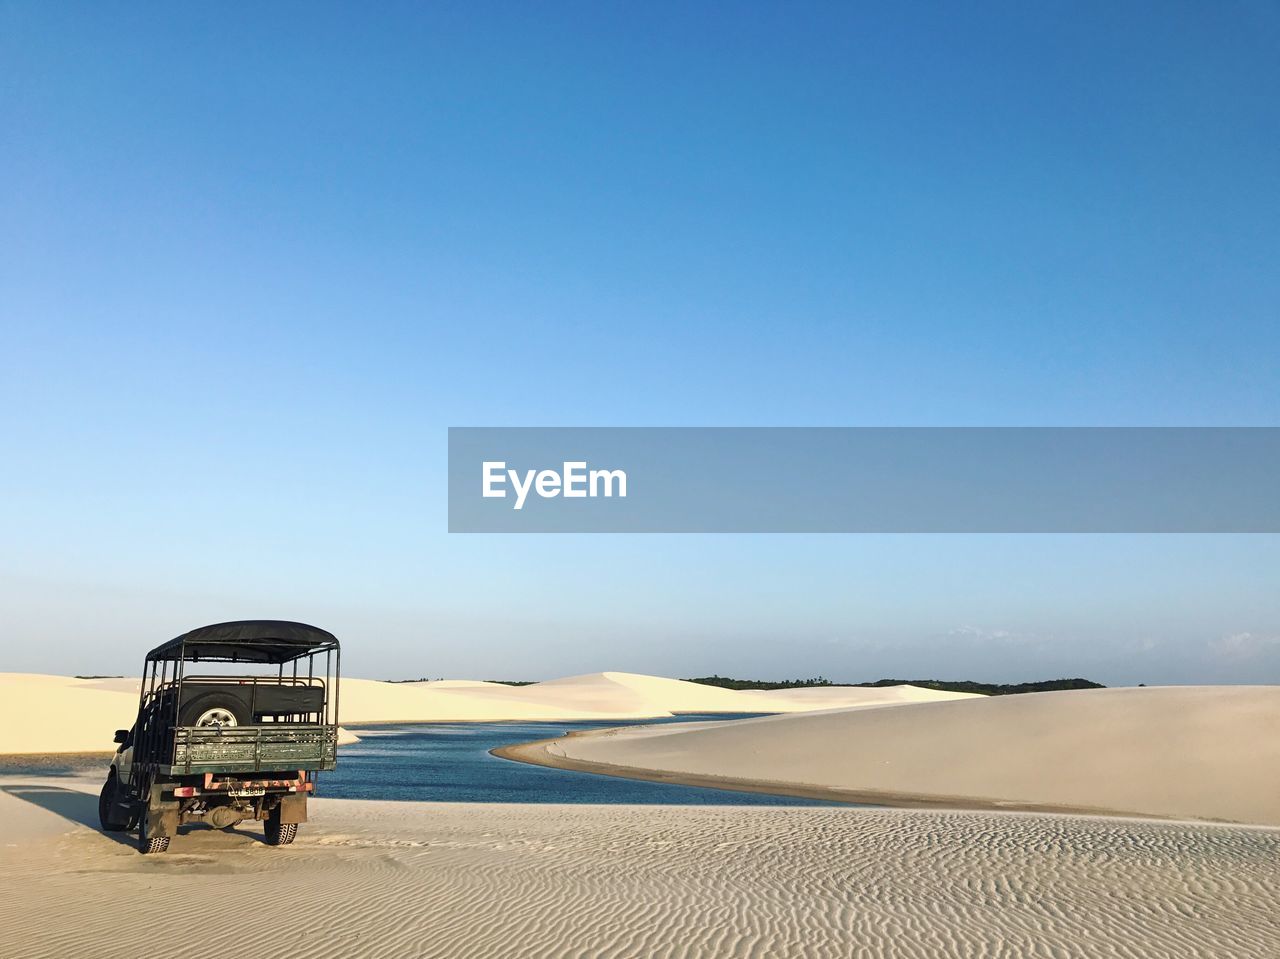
[[256, 261]]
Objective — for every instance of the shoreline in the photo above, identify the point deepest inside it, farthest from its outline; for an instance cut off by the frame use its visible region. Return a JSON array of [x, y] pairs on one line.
[[537, 753], [14, 758], [1173, 754], [571, 718]]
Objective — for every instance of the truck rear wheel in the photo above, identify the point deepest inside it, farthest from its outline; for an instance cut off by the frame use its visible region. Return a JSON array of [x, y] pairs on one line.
[[279, 833], [150, 845], [109, 806]]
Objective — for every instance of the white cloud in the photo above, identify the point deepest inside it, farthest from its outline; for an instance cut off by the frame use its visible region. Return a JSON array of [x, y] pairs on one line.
[[980, 634], [1246, 646]]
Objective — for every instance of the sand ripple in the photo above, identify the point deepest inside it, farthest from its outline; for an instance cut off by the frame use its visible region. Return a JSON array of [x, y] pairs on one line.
[[424, 880]]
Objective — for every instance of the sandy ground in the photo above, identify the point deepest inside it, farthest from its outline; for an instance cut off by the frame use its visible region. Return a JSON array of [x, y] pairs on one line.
[[379, 880], [61, 714], [1207, 752]]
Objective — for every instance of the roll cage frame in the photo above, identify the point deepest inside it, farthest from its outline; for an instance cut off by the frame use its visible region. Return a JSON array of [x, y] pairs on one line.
[[286, 645]]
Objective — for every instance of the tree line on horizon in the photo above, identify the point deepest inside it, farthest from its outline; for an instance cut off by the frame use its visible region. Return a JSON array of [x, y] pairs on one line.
[[944, 685]]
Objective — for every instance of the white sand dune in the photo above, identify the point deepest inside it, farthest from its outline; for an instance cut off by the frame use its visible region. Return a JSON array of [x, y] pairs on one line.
[[829, 697], [463, 684], [40, 714], [1178, 752], [392, 879], [115, 684], [59, 714]]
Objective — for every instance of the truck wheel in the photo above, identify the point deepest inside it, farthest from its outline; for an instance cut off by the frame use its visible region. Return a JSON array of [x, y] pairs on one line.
[[215, 709], [278, 833], [150, 845], [108, 802]]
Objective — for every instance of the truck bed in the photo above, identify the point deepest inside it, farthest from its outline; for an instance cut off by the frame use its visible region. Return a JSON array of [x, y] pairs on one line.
[[242, 749]]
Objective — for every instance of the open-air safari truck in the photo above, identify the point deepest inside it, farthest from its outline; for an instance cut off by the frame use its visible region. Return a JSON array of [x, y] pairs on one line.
[[220, 749]]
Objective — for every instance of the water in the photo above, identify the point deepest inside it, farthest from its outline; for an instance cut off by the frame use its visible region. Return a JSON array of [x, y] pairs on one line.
[[450, 762]]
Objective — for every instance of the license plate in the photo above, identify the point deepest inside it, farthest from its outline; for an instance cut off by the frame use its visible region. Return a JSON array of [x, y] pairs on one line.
[[248, 791]]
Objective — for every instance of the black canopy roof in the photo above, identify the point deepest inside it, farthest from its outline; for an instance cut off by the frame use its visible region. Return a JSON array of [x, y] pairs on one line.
[[247, 641]]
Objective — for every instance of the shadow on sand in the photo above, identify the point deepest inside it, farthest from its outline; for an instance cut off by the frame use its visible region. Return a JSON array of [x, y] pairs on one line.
[[71, 804], [82, 808]]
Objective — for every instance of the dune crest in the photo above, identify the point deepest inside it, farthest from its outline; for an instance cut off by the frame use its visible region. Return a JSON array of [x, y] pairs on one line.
[[61, 714], [1206, 752]]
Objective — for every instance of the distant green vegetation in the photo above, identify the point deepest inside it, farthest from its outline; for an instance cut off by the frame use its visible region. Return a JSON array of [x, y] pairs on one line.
[[992, 689], [726, 683], [951, 686], [504, 682]]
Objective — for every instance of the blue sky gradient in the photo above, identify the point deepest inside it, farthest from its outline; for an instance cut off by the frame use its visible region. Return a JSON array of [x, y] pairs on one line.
[[256, 262]]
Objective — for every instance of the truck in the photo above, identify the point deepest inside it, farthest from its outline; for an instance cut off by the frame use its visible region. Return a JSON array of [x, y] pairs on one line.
[[236, 721]]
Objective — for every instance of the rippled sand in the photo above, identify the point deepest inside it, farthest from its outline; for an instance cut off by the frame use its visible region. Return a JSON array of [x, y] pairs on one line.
[[375, 879]]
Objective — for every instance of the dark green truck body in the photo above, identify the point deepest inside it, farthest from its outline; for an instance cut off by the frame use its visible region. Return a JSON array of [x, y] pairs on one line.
[[251, 749], [234, 745]]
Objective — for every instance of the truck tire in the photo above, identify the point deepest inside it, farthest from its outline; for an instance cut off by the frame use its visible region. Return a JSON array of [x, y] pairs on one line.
[[108, 811], [214, 709], [150, 845], [278, 833]]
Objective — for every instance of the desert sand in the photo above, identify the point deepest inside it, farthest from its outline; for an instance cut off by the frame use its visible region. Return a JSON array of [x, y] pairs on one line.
[[396, 880], [1208, 752], [60, 714], [393, 880]]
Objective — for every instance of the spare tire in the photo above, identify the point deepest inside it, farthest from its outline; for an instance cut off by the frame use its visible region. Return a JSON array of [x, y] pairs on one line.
[[215, 709]]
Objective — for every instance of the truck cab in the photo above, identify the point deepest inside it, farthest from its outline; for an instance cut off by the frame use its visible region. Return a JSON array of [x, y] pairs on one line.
[[247, 740]]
